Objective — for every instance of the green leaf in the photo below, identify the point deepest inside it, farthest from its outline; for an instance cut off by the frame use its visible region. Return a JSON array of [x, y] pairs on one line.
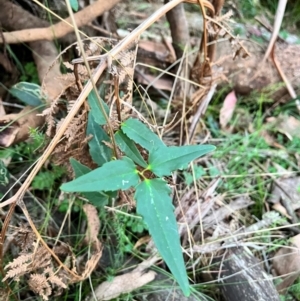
[[114, 175], [141, 134], [98, 150], [74, 4], [4, 174], [97, 198], [79, 169], [188, 176], [164, 160], [28, 93], [45, 180], [96, 108], [155, 205], [128, 147]]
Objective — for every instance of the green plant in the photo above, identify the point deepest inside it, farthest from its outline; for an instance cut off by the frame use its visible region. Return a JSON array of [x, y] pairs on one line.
[[152, 192], [30, 73], [126, 228], [28, 93], [295, 289], [45, 180], [74, 4]]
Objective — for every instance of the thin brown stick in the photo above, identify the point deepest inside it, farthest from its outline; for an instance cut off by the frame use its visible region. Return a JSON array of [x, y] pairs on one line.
[[277, 24]]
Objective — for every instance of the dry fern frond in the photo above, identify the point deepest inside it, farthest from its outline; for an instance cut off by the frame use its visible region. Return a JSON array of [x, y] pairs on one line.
[[39, 271], [18, 268], [76, 126], [24, 237], [41, 258], [115, 88], [37, 258], [38, 284]]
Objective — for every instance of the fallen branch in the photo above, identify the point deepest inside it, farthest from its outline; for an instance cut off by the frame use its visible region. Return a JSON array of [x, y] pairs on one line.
[[58, 30], [14, 17]]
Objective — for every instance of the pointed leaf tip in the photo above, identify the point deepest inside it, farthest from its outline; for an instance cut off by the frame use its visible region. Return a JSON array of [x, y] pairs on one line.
[[155, 205], [129, 148], [99, 152], [141, 134], [163, 161], [96, 108]]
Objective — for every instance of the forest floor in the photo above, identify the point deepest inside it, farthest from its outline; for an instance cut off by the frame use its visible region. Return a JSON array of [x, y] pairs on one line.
[[237, 208]]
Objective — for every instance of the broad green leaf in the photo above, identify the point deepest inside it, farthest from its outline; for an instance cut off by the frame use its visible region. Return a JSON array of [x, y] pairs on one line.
[[28, 93], [114, 175], [128, 147], [98, 150], [74, 4], [155, 205], [164, 160], [97, 198], [96, 108], [141, 134]]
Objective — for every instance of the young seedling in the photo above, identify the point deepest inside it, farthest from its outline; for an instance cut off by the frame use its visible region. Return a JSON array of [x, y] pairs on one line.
[[152, 192]]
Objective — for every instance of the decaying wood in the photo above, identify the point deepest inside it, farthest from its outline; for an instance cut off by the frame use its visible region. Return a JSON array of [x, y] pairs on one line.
[[243, 278], [179, 28], [14, 17], [61, 28]]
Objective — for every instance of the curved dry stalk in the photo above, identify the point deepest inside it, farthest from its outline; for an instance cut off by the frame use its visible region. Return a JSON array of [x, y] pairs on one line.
[[277, 24], [270, 50]]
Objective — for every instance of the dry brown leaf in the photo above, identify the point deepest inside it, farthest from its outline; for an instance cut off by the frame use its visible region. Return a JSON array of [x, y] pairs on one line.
[[288, 190], [5, 63], [91, 265], [226, 210], [227, 109], [287, 125], [4, 294], [270, 140], [286, 263], [91, 235], [143, 240], [18, 130], [188, 212], [160, 84], [126, 283], [156, 50], [278, 207]]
